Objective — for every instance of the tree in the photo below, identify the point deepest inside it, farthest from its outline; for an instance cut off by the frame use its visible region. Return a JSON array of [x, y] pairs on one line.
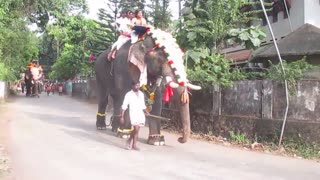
[[41, 11], [159, 14], [75, 34], [18, 45], [105, 32], [206, 27]]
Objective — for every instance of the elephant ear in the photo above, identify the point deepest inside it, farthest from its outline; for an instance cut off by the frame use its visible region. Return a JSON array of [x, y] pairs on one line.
[[136, 55]]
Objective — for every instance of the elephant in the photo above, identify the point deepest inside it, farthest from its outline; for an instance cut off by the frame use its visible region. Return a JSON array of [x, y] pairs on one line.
[[114, 78], [32, 80]]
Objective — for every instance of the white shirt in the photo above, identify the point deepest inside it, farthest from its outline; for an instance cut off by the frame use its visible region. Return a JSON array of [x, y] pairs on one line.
[[124, 25], [135, 100]]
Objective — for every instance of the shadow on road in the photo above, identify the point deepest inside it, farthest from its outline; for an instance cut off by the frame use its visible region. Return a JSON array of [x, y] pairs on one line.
[[76, 127]]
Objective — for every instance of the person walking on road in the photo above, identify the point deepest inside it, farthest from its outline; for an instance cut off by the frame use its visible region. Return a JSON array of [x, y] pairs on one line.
[[134, 99], [60, 88]]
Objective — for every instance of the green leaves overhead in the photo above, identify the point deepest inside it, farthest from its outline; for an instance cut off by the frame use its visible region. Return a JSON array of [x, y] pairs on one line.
[[41, 11], [207, 23], [251, 37], [208, 26], [18, 45], [74, 37]]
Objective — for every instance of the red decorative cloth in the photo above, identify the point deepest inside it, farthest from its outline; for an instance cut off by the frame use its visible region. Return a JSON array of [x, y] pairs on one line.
[[167, 94], [92, 57]]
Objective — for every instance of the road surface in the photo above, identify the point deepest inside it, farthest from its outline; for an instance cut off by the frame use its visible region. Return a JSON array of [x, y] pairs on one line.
[[54, 138]]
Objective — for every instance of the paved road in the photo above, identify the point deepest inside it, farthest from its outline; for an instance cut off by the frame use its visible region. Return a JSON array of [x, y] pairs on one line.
[[54, 138]]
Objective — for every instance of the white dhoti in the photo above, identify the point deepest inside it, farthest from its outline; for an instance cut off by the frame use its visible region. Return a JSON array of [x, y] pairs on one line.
[[137, 117], [135, 101], [134, 37], [120, 42]]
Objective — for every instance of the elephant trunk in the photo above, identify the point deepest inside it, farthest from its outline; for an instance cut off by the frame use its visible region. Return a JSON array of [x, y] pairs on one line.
[[185, 117]]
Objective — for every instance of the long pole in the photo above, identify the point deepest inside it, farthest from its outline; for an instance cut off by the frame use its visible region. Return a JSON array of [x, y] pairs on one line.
[[287, 11], [180, 21], [283, 72]]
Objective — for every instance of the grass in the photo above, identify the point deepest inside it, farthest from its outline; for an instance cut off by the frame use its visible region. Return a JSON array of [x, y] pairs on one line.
[[294, 147], [302, 149]]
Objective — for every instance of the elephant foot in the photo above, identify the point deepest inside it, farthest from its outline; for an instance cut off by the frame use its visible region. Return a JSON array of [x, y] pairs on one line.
[[124, 133], [156, 140], [101, 123]]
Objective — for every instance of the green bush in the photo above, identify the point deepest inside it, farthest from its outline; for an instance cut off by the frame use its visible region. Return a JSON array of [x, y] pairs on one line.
[[294, 71], [5, 73]]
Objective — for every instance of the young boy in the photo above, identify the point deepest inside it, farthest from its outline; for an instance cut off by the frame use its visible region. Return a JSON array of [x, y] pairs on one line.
[[137, 110], [139, 24]]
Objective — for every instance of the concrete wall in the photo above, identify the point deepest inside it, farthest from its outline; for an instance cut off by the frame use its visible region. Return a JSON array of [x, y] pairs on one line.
[[256, 108], [85, 89], [3, 91], [312, 12]]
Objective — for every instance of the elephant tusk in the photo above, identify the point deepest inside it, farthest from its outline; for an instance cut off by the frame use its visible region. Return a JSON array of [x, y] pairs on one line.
[[193, 87], [173, 85]]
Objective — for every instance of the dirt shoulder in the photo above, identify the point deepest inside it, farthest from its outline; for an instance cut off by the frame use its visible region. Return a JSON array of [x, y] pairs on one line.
[[5, 167]]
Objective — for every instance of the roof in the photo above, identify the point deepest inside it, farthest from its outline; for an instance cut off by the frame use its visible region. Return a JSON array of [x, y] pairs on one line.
[[237, 56], [303, 41]]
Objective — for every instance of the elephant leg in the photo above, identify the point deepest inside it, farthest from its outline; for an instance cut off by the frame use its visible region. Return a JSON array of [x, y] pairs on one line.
[[103, 102], [28, 89], [36, 92], [123, 130], [155, 137], [22, 88], [116, 112]]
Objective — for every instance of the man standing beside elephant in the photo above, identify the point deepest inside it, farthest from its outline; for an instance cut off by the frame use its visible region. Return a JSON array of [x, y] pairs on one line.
[[137, 110]]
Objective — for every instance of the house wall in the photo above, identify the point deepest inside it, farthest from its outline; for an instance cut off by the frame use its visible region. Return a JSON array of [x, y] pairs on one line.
[[281, 28], [312, 12]]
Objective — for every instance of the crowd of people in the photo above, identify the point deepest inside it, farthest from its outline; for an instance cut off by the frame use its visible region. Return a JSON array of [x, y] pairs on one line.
[[51, 87]]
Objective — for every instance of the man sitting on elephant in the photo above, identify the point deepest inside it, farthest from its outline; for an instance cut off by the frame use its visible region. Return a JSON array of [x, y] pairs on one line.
[[124, 30], [139, 26]]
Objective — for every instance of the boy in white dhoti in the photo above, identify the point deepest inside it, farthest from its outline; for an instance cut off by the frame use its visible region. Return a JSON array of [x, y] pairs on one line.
[[137, 110]]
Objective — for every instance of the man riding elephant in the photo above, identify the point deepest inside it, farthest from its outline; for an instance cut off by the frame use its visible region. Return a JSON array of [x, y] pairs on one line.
[[123, 27]]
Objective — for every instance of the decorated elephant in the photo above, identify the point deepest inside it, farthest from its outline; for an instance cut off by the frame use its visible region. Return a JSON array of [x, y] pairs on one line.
[[157, 55], [32, 77]]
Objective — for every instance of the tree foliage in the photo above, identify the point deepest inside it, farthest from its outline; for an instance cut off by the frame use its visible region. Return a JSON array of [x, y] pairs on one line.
[[75, 36], [206, 27], [18, 45], [294, 71], [159, 14]]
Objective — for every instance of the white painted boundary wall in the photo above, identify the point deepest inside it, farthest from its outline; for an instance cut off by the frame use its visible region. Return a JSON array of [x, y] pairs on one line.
[[3, 91]]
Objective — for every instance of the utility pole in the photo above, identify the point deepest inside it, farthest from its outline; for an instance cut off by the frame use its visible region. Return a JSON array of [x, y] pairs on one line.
[[180, 22], [283, 73]]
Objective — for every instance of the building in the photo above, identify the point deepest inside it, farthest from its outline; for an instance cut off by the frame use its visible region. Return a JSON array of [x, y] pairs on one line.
[[305, 23]]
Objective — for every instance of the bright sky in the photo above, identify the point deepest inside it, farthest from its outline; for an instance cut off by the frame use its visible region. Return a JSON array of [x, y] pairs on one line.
[[94, 5]]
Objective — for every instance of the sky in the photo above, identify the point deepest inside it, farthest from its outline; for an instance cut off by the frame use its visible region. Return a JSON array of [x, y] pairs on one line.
[[94, 5]]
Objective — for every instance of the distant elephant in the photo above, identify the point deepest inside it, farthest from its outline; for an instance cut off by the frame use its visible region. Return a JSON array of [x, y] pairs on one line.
[[32, 81], [114, 78]]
